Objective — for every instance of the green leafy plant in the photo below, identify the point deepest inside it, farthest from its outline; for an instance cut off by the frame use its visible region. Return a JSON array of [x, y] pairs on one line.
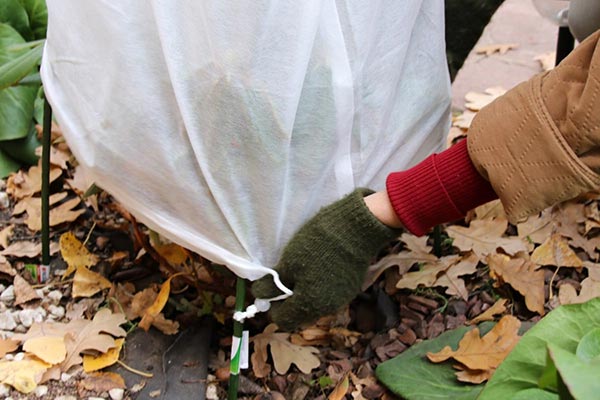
[[22, 30], [558, 358]]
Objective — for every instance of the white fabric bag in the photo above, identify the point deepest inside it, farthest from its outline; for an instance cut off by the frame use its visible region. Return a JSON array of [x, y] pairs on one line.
[[225, 125]]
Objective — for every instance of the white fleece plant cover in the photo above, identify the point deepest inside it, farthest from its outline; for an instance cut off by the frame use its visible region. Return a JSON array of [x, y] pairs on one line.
[[225, 125]]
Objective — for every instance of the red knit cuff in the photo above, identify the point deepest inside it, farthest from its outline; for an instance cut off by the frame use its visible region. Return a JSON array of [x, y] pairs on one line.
[[442, 188]]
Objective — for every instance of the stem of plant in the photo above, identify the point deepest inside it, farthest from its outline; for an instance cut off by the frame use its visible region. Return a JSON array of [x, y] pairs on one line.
[[437, 240], [46, 183], [238, 327]]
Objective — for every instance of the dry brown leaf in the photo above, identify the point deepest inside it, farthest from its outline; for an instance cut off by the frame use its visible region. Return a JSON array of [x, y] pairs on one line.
[[455, 135], [80, 335], [5, 235], [590, 289], [556, 251], [475, 376], [340, 390], [58, 157], [8, 346], [546, 60], [152, 312], [428, 274], [488, 315], [284, 353], [6, 268], [536, 228], [520, 274], [476, 101], [500, 48], [75, 254], [483, 353], [23, 291], [418, 252], [27, 249], [102, 381], [36, 202], [22, 184], [489, 210], [87, 283], [484, 237], [80, 183], [50, 349], [24, 375], [58, 215], [593, 270], [450, 278]]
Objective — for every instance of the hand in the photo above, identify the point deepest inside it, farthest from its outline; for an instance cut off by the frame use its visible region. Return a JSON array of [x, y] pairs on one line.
[[326, 260]]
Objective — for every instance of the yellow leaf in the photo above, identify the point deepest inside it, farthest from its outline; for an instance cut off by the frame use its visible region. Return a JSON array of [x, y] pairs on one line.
[[95, 363], [488, 315], [152, 312], [284, 353], [483, 353], [23, 375], [521, 274], [75, 254], [556, 251], [340, 390], [87, 283], [50, 349], [173, 253]]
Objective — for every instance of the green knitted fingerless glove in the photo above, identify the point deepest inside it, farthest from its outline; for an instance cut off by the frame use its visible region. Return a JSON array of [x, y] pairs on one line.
[[325, 261]]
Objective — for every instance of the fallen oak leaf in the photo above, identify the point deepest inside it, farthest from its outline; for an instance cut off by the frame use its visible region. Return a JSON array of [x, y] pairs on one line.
[[8, 346], [590, 289], [102, 381], [161, 299], [22, 184], [6, 268], [5, 235], [464, 120], [522, 275], [64, 212], [27, 249], [75, 254], [87, 283], [58, 157], [476, 101], [450, 277], [483, 353], [284, 353], [556, 251], [428, 274]]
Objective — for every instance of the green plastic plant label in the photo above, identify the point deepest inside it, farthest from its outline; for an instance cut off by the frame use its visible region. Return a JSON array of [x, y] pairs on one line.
[[40, 273]]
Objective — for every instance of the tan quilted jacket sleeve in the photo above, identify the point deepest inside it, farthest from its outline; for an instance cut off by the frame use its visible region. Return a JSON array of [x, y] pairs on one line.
[[539, 144]]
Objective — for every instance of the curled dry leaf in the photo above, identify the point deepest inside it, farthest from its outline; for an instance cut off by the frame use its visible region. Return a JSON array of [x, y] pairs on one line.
[[151, 313], [284, 353], [428, 274], [75, 254], [22, 184], [488, 315], [449, 279], [94, 363], [523, 276], [482, 353], [339, 393]]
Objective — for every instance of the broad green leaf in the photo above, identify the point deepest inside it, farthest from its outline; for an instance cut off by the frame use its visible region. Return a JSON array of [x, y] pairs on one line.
[[579, 377], [38, 17], [16, 69], [548, 380], [23, 150], [9, 37], [38, 106], [7, 165], [588, 348], [411, 376], [535, 394], [31, 80], [16, 111], [13, 13], [563, 327]]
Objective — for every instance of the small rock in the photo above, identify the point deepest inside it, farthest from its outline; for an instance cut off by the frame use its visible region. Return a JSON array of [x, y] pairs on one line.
[[65, 377], [4, 390], [67, 397], [57, 311], [41, 390], [21, 329], [40, 293], [8, 295], [2, 288], [19, 356], [7, 321], [211, 392], [95, 398], [4, 200], [6, 334], [29, 316], [116, 393], [55, 296], [9, 357]]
